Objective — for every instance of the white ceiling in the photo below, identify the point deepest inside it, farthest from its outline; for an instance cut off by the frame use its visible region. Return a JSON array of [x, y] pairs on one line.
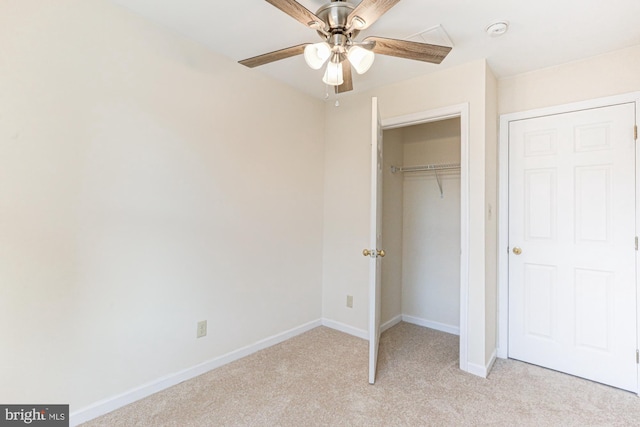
[[542, 33]]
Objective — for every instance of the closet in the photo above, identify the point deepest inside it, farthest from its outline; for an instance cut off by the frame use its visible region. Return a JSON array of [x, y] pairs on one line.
[[421, 225]]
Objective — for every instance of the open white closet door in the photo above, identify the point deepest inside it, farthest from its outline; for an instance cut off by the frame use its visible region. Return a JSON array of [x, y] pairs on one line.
[[375, 252]]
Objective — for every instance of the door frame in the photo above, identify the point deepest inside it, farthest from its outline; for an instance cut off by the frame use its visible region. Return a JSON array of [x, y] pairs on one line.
[[503, 200], [434, 115]]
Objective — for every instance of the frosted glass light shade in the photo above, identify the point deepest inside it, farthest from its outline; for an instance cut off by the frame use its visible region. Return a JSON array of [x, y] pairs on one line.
[[317, 54], [360, 58], [333, 75]]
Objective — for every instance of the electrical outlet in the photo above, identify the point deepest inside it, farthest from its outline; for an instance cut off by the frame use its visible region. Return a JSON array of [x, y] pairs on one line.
[[202, 328], [350, 301]]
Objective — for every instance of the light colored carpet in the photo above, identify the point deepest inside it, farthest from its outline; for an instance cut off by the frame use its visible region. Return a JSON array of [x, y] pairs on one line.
[[320, 379]]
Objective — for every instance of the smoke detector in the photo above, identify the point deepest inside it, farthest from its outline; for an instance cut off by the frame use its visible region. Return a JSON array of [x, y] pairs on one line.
[[497, 29]]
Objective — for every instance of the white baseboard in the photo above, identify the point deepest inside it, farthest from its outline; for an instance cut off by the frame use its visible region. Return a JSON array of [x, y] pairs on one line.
[[360, 333], [450, 329], [110, 404], [482, 371], [492, 360], [390, 323]]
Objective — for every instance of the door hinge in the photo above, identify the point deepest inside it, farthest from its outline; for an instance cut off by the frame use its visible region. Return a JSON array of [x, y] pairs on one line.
[[637, 357], [635, 132], [636, 243]]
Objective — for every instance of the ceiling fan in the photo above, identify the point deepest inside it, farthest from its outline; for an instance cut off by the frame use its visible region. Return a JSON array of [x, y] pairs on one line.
[[338, 23]]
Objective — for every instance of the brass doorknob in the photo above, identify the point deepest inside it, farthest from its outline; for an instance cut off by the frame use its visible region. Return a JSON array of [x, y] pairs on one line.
[[517, 250], [373, 253]]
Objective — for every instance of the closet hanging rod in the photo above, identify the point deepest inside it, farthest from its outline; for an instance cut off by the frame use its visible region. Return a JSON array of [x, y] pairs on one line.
[[421, 168]]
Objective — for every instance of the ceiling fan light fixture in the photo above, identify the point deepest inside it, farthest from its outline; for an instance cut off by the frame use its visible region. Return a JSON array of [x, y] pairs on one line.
[[315, 55], [333, 74], [360, 58]]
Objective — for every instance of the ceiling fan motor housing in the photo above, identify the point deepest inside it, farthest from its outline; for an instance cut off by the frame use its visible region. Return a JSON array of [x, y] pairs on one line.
[[335, 15]]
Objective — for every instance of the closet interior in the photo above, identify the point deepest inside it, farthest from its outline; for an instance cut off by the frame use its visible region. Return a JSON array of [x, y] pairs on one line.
[[421, 225]]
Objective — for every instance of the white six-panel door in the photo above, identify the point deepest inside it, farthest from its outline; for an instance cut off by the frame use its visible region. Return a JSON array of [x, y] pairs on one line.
[[572, 272]]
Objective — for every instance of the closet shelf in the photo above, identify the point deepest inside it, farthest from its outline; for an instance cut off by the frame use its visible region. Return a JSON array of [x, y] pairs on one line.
[[422, 168], [432, 167]]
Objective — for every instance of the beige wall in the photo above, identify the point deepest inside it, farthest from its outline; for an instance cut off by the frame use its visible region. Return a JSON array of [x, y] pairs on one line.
[[145, 184], [347, 189], [392, 195], [491, 216], [431, 234], [434, 142], [613, 73], [346, 217]]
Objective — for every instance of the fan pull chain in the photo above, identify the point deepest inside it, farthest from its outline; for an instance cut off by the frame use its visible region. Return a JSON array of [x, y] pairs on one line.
[[326, 96]]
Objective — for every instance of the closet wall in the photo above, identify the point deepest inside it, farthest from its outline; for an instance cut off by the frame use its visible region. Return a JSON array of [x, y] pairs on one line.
[[421, 227], [392, 207]]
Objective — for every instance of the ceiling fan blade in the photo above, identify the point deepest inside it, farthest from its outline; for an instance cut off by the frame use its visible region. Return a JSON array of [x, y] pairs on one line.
[[412, 50], [296, 11], [370, 10], [347, 84], [273, 56]]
